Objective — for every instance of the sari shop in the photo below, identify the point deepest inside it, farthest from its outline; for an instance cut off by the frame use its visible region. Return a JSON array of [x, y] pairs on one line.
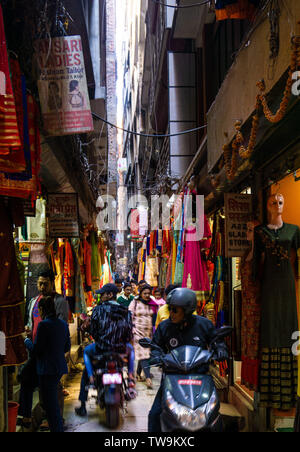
[[280, 195], [77, 257], [55, 239], [262, 281]]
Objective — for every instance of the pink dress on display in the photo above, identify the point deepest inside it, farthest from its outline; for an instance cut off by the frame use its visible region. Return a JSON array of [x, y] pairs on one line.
[[194, 264]]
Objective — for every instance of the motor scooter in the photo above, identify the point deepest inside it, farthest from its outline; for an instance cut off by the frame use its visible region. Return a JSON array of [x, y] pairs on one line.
[[112, 386], [189, 397]]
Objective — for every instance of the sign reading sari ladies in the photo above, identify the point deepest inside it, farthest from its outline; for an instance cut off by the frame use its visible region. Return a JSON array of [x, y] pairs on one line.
[[62, 86], [238, 211], [63, 215]]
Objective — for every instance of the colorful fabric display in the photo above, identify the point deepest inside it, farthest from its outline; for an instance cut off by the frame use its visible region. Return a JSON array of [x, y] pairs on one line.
[[9, 130]]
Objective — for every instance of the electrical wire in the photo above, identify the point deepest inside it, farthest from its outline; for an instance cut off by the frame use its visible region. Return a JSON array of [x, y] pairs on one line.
[[147, 134], [182, 6]]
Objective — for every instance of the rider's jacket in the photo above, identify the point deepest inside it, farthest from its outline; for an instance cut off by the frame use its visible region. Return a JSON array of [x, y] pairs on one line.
[[111, 326], [197, 331]]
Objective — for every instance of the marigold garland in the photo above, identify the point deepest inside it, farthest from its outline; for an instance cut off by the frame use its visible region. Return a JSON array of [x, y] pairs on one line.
[[231, 152]]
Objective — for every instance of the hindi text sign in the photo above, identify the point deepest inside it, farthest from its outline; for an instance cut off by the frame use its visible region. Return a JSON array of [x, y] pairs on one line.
[[63, 215]]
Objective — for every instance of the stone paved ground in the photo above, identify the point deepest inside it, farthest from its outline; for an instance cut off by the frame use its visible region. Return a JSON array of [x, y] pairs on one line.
[[134, 420]]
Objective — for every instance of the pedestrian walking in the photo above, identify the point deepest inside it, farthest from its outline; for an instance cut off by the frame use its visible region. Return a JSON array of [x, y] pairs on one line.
[[163, 312], [142, 315], [28, 375], [51, 343], [134, 287], [126, 298]]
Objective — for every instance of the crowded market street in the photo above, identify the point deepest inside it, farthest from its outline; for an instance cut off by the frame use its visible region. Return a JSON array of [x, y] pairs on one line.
[[149, 218]]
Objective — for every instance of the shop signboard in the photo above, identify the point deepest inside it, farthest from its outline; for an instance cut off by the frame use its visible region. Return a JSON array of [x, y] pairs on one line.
[[238, 211], [63, 215], [62, 86], [135, 225]]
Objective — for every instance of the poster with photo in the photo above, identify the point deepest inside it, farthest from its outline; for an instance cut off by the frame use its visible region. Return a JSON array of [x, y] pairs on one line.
[[62, 86]]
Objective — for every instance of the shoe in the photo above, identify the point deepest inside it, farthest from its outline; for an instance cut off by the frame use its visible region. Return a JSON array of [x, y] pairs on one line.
[[149, 383], [23, 424], [139, 378], [131, 383], [44, 427], [81, 411]]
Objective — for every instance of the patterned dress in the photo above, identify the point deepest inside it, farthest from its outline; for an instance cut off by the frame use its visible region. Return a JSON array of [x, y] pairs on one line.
[[250, 326], [279, 367], [142, 326]]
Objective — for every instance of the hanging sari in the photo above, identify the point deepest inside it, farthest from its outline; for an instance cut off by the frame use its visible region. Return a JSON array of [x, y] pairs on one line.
[[15, 160], [9, 130], [80, 305], [26, 184], [11, 289]]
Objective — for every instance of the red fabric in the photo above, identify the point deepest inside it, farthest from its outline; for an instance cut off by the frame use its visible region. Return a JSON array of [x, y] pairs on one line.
[[135, 224], [69, 270], [27, 188], [87, 253], [9, 131], [250, 328], [166, 248], [250, 372], [15, 160], [11, 290], [36, 319], [90, 299]]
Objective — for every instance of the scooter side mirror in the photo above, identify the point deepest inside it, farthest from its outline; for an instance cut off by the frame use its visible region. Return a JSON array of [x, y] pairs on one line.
[[146, 343]]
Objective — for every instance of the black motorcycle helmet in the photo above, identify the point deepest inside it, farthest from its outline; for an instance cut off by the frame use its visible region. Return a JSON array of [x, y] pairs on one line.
[[184, 298]]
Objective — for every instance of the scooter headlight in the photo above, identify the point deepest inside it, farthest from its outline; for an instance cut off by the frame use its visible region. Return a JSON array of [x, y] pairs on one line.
[[212, 403], [191, 420]]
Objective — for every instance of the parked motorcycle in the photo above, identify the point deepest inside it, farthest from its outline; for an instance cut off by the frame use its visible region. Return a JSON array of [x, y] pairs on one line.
[[111, 385], [189, 398]]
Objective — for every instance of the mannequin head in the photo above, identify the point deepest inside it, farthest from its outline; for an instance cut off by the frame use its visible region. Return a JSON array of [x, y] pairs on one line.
[[275, 206]]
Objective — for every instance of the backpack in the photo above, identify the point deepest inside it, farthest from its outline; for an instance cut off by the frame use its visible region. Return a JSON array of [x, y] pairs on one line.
[[111, 327]]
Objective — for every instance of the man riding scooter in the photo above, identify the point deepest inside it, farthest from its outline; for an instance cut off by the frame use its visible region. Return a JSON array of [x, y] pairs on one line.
[[104, 329], [182, 328]]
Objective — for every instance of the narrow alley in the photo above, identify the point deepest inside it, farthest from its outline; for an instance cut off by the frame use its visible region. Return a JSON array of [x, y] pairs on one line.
[[149, 216]]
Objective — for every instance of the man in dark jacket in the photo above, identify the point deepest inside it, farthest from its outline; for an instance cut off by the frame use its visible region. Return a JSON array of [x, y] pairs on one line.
[[182, 328], [45, 285], [111, 328], [51, 343]]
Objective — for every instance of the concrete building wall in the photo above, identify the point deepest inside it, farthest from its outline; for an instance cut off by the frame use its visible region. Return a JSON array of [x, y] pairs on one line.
[[111, 99], [237, 96]]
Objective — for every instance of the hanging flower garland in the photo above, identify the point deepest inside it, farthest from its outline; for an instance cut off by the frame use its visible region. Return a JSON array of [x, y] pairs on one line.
[[231, 152]]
